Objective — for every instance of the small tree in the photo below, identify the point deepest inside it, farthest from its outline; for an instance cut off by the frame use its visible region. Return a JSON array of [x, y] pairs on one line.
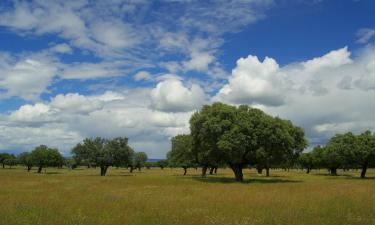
[[365, 155], [103, 153], [4, 157], [26, 160], [11, 161], [140, 159], [181, 153], [162, 163], [42, 157], [306, 160]]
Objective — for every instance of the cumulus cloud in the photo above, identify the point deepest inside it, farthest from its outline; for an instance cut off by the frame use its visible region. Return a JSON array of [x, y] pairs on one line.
[[172, 96], [325, 95], [266, 83]]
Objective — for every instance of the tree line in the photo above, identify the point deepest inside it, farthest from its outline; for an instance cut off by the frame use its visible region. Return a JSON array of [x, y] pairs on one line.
[[221, 135], [343, 151], [92, 152], [244, 137]]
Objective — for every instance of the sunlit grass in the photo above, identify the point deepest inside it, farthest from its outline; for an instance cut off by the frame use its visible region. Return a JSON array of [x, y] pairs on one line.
[[157, 196]]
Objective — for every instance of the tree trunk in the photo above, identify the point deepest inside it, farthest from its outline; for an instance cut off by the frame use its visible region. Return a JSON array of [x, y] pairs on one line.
[[204, 170], [212, 170], [267, 171], [131, 169], [103, 170], [185, 170], [260, 170], [40, 169], [3, 166], [237, 170], [364, 169], [215, 170], [139, 168], [308, 170], [333, 171], [28, 168]]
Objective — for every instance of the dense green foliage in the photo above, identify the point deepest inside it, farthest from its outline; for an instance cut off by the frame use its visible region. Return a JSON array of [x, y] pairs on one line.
[[104, 153], [346, 151], [42, 157], [243, 136]]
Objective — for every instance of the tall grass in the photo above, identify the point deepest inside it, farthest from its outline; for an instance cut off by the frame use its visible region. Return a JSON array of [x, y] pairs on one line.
[[157, 196]]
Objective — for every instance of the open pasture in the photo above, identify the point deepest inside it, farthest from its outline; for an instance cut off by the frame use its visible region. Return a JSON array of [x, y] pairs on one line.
[[155, 196]]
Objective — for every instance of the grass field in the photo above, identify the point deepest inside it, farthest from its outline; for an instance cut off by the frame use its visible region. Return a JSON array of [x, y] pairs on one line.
[[158, 196]]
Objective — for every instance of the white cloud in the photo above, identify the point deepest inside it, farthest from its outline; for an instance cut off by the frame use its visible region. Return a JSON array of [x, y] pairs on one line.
[[172, 96], [325, 95], [142, 75], [27, 78], [62, 49], [365, 35]]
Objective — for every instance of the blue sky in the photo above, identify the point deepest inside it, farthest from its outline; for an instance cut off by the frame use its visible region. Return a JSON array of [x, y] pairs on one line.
[[76, 69]]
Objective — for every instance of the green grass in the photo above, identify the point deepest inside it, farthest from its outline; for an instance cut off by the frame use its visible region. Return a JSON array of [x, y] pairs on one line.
[[166, 197]]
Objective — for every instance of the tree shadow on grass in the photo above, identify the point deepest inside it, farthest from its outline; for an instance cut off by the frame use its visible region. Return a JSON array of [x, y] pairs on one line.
[[268, 180]]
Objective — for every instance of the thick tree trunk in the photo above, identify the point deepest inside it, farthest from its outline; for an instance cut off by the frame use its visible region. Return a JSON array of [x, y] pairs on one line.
[[40, 169], [204, 171], [333, 171], [212, 170], [28, 168], [267, 171], [103, 170], [308, 170], [237, 170], [364, 169], [131, 169], [185, 170], [215, 170], [260, 170]]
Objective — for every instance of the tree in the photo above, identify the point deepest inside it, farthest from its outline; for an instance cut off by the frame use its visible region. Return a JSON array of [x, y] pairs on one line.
[[365, 154], [306, 160], [4, 157], [11, 161], [237, 135], [280, 142], [162, 163], [181, 152], [103, 153], [140, 159], [42, 157], [26, 160]]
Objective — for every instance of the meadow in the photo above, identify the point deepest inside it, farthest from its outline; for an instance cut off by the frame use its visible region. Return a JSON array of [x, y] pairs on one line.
[[155, 196]]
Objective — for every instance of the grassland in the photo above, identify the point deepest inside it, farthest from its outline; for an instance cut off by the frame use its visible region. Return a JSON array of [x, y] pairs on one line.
[[158, 196]]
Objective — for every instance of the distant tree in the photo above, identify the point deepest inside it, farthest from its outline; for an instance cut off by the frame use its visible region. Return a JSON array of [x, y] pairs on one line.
[[26, 160], [306, 161], [140, 159], [11, 161], [162, 163], [103, 153], [3, 157], [364, 154], [42, 157], [181, 153]]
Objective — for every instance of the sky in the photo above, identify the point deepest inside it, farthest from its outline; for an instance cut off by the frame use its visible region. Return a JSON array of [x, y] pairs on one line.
[[76, 69]]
